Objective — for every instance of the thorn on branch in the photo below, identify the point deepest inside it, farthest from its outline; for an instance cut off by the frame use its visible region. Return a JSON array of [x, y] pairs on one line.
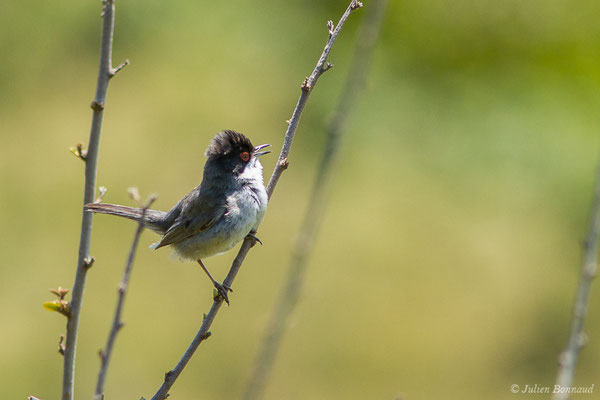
[[88, 262], [356, 4], [97, 106], [330, 28], [33, 398], [102, 190], [79, 152], [206, 335], [113, 71], [288, 121], [305, 85], [327, 67]]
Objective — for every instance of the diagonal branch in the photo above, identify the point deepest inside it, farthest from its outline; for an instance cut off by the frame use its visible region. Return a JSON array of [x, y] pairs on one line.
[[288, 298], [91, 161], [307, 87], [117, 322], [568, 358], [282, 163]]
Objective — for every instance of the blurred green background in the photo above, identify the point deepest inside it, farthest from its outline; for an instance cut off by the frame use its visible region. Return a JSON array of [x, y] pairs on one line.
[[448, 260]]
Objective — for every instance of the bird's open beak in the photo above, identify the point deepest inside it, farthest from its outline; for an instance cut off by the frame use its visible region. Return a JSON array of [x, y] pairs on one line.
[[258, 153]]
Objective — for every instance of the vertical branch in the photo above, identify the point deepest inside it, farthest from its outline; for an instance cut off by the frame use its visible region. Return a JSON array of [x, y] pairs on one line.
[[306, 87], [117, 322], [84, 261], [316, 206], [568, 358]]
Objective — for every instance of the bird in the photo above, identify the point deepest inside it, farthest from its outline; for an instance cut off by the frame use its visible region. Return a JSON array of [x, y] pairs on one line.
[[227, 206]]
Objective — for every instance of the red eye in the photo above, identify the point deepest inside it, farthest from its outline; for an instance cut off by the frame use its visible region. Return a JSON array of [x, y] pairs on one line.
[[245, 156]]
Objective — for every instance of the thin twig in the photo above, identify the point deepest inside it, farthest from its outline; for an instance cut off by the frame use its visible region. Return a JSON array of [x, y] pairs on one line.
[[306, 87], [284, 306], [577, 338], [117, 322], [91, 161]]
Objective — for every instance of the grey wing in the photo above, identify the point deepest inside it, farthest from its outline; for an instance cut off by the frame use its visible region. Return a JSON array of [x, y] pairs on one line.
[[198, 213]]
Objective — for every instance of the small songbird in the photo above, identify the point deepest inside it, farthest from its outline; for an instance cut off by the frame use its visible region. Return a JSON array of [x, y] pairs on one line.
[[228, 205]]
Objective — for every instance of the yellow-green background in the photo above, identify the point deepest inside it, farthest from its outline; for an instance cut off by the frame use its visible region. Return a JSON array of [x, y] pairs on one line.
[[448, 259]]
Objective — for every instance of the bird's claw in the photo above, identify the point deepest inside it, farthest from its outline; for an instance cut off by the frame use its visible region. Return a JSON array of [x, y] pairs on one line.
[[255, 238], [221, 290]]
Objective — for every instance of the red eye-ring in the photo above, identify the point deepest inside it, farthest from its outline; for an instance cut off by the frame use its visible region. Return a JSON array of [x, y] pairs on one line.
[[245, 156]]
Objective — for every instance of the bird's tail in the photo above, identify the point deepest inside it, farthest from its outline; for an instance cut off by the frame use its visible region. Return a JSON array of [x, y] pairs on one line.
[[153, 219]]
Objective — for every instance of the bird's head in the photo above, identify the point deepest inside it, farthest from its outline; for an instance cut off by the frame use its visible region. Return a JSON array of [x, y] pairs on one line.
[[232, 152]]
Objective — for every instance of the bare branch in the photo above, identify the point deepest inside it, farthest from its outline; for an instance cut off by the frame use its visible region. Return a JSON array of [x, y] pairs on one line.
[[249, 242], [91, 162], [577, 338], [117, 322], [307, 87], [288, 298]]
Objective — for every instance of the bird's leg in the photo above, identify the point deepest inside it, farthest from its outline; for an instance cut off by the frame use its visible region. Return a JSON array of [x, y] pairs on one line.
[[252, 235], [221, 289]]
